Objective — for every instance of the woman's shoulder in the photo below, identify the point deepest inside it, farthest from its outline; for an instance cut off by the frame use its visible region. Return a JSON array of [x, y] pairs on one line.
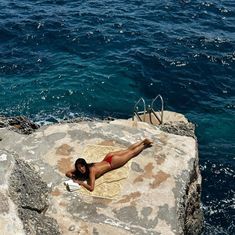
[[93, 167]]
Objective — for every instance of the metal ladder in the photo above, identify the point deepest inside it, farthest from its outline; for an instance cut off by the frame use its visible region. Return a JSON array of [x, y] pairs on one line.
[[141, 115]]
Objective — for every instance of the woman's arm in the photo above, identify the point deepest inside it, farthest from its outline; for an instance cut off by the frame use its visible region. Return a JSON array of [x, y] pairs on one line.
[[91, 182], [71, 174]]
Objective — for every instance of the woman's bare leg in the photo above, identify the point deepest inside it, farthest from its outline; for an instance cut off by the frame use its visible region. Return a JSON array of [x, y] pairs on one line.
[[143, 142], [121, 159], [132, 147]]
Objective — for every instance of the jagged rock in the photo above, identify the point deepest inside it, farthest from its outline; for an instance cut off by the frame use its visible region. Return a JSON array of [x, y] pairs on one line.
[[36, 223], [21, 185], [18, 124], [179, 128], [190, 212], [26, 188]]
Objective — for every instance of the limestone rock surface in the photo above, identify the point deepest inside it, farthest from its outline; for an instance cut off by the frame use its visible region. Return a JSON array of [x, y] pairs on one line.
[[159, 194], [24, 198]]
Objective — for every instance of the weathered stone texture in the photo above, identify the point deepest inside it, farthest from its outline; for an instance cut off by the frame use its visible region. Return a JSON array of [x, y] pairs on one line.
[[193, 216], [161, 194], [179, 128], [18, 124], [26, 188], [30, 194], [36, 223], [21, 184]]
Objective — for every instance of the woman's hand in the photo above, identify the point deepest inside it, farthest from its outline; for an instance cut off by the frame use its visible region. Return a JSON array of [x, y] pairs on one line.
[[91, 182], [70, 174]]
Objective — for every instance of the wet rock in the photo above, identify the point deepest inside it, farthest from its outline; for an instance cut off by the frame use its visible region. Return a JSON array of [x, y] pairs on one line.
[[19, 124]]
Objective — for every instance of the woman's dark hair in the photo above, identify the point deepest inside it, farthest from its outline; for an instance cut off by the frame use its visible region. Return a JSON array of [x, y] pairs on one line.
[[82, 162]]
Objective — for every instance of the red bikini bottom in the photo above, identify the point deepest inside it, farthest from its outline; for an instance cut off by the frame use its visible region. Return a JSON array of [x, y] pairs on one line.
[[108, 158]]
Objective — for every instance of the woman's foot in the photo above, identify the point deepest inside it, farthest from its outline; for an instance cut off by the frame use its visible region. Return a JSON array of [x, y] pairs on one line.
[[147, 142]]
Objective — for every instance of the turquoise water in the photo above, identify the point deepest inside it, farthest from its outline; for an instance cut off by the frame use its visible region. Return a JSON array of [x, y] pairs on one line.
[[64, 59]]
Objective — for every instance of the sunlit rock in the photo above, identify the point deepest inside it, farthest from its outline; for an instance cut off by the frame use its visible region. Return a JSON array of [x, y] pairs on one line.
[[157, 192]]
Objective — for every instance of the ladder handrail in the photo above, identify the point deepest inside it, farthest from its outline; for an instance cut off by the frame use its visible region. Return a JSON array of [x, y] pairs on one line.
[[135, 112], [149, 110], [162, 108]]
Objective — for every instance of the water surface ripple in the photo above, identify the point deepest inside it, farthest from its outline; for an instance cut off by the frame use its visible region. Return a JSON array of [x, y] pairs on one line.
[[61, 59]]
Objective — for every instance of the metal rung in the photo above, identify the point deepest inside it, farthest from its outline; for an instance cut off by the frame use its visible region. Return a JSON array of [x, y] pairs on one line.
[[136, 112], [150, 110]]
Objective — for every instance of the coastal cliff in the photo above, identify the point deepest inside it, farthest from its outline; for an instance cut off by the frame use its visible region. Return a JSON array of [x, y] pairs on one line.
[[157, 192]]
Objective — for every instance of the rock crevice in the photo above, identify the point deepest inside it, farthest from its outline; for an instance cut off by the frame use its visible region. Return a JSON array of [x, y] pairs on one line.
[[30, 195]]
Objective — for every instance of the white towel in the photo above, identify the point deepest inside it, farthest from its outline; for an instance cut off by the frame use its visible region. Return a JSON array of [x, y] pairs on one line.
[[71, 186]]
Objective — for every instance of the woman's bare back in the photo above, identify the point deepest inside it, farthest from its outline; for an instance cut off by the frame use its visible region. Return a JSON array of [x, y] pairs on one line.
[[112, 160]]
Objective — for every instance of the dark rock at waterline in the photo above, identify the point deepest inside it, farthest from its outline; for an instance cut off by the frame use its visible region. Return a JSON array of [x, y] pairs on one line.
[[179, 128], [19, 124]]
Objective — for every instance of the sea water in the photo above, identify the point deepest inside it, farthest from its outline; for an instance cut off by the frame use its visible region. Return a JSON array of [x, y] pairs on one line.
[[62, 59]]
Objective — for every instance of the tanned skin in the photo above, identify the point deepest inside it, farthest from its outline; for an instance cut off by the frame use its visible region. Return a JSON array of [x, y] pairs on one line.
[[119, 158]]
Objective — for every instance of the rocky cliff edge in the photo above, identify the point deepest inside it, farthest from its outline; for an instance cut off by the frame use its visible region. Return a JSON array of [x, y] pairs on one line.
[[158, 192]]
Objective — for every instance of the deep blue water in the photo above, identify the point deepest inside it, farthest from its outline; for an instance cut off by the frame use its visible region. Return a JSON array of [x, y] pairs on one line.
[[63, 59]]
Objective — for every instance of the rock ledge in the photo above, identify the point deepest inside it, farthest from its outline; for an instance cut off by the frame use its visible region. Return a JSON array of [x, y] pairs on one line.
[[160, 195]]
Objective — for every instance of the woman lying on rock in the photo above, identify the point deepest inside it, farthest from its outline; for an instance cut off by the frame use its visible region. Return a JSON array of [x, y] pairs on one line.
[[113, 160]]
